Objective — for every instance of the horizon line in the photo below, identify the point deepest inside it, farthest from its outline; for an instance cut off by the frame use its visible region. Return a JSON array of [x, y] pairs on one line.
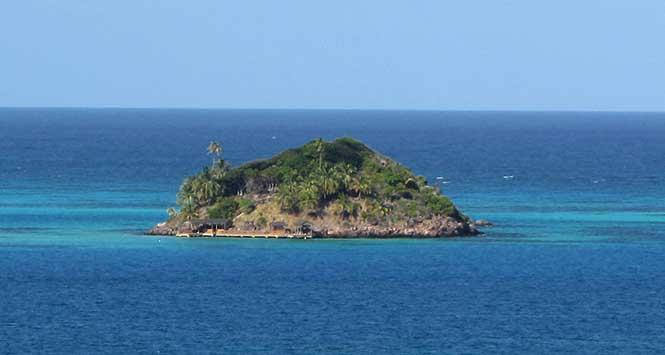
[[211, 108]]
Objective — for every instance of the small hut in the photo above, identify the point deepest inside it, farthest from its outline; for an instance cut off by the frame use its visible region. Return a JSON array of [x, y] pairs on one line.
[[212, 225], [279, 227], [185, 230], [304, 227]]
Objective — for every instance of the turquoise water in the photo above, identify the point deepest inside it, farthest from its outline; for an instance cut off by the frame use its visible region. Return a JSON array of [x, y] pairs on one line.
[[574, 263]]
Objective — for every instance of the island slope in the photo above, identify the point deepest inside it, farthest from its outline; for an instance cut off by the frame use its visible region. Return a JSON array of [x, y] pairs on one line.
[[321, 189]]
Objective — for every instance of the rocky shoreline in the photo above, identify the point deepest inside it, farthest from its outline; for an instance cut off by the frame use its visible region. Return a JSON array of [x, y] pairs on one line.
[[444, 227]]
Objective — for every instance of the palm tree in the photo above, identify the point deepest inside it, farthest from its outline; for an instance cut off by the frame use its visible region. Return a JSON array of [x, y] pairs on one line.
[[172, 213], [219, 169], [309, 195], [186, 191], [209, 190], [189, 209], [344, 174], [197, 190], [287, 197], [319, 147], [327, 183], [345, 208], [361, 186], [215, 149]]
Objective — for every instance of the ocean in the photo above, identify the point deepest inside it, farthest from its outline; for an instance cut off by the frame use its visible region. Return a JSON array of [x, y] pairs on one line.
[[574, 264]]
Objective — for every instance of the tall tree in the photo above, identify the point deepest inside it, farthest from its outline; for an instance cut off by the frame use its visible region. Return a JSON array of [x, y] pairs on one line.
[[345, 174], [171, 212], [219, 169], [189, 209], [215, 149], [287, 197], [186, 191], [327, 182], [309, 195], [361, 186], [209, 190], [197, 190], [320, 148]]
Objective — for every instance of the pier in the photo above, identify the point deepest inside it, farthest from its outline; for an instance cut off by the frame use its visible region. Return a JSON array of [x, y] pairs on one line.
[[221, 228], [242, 234]]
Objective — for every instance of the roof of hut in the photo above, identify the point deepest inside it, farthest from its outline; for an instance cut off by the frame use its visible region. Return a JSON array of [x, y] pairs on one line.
[[210, 221], [278, 224]]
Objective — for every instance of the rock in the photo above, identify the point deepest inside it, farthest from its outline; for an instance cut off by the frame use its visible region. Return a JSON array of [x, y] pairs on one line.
[[162, 229], [483, 223]]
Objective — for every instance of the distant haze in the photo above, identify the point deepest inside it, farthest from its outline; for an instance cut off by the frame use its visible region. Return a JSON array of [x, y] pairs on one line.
[[369, 54]]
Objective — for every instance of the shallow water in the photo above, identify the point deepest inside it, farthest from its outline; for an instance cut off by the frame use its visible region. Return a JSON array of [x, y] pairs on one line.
[[574, 263]]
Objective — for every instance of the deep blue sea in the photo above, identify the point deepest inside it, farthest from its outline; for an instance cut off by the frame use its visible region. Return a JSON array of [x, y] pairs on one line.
[[575, 263]]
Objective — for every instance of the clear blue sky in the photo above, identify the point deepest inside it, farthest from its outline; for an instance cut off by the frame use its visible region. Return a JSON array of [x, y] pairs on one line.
[[411, 54]]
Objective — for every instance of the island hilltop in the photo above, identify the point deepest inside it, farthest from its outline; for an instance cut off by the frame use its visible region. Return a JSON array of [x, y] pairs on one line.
[[321, 189]]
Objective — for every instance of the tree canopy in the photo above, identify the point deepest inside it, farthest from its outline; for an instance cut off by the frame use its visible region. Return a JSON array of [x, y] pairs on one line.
[[344, 177]]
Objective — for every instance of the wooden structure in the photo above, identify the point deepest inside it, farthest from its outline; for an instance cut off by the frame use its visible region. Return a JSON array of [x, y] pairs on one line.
[[279, 226], [204, 227], [222, 228]]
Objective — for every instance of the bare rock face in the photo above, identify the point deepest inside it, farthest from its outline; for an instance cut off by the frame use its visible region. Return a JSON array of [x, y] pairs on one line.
[[162, 229], [439, 227], [431, 228], [483, 223]]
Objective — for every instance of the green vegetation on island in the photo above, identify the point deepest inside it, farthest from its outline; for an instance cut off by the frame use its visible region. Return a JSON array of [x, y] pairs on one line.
[[340, 188]]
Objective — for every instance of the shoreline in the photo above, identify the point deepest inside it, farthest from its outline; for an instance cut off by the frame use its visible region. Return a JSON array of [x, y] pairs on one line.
[[336, 237], [461, 230]]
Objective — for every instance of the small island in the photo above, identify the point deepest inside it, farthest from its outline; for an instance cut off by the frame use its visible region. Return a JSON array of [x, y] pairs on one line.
[[338, 189]]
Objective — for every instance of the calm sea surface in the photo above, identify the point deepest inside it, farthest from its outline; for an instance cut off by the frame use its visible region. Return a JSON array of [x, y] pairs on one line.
[[576, 262]]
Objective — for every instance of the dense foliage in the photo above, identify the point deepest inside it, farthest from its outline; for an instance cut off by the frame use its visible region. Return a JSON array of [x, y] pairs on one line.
[[343, 177]]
